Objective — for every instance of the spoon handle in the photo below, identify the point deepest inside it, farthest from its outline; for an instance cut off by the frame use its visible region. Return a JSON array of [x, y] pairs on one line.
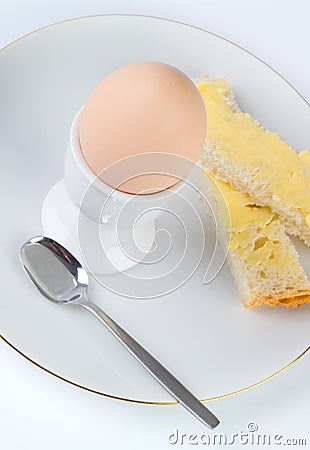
[[183, 395]]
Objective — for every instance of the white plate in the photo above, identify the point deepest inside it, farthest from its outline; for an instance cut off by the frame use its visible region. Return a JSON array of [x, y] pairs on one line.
[[200, 332]]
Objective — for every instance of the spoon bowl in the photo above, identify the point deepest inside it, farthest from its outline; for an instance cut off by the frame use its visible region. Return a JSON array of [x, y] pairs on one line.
[[55, 272]]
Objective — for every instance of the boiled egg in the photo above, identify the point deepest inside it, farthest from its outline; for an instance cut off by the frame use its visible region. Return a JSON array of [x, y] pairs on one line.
[[139, 109]]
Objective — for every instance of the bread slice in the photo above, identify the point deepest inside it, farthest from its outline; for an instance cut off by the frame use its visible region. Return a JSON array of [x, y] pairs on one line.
[[254, 160], [261, 256]]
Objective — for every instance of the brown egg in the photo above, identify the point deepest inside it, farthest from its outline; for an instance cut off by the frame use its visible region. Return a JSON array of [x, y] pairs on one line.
[[141, 108]]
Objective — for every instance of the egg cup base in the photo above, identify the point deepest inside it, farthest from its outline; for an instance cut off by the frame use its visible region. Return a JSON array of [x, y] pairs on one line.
[[95, 245]]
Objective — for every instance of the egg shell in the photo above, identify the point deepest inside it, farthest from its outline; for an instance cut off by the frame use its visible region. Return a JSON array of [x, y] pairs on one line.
[[146, 107]]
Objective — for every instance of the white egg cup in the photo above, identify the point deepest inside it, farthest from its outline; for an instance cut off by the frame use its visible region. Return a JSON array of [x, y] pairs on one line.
[[83, 214]]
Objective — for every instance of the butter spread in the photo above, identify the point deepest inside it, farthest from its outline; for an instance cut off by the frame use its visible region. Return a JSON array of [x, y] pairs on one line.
[[247, 221]]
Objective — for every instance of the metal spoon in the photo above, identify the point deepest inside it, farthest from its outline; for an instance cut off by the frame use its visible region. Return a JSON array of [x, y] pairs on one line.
[[61, 278]]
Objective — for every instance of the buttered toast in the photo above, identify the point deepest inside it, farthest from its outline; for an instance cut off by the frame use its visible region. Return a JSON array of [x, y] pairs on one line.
[[265, 185], [260, 255], [254, 160]]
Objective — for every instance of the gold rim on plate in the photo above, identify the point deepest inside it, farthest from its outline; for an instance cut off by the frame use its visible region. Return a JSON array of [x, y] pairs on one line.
[[144, 402]]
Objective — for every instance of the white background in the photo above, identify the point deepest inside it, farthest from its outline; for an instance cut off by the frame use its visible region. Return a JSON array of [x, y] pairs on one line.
[[38, 411]]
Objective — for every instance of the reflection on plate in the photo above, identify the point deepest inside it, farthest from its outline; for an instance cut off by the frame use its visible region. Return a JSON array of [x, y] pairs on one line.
[[200, 332]]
